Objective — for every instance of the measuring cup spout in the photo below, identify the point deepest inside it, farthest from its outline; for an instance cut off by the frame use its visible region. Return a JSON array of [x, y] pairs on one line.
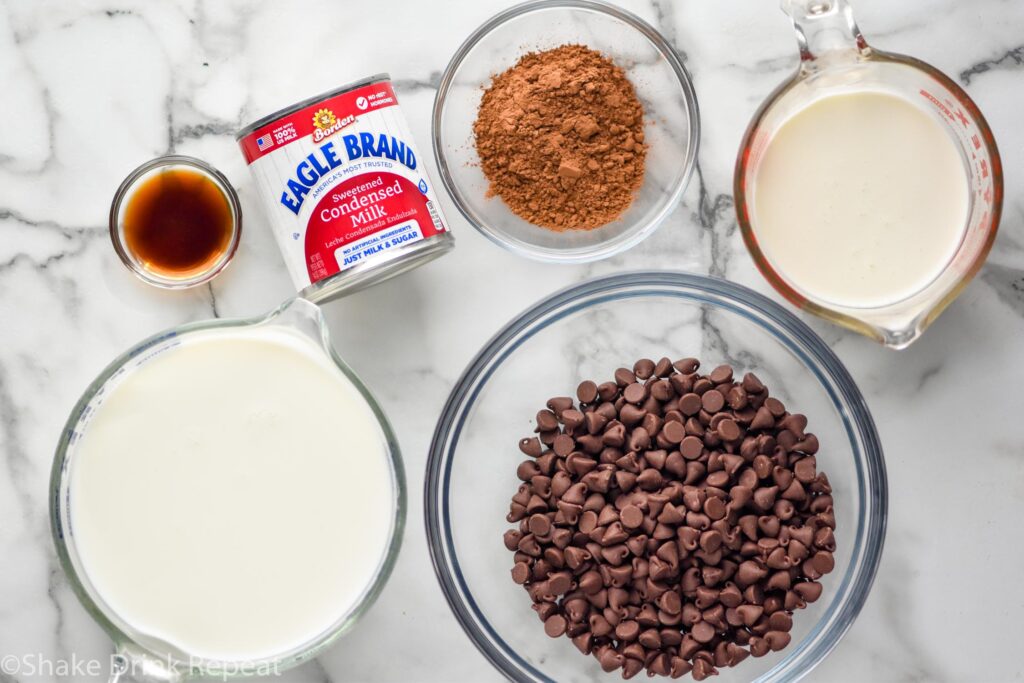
[[824, 28], [302, 315]]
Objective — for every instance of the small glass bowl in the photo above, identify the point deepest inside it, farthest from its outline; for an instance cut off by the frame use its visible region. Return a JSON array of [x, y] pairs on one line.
[[123, 197], [587, 331], [672, 128]]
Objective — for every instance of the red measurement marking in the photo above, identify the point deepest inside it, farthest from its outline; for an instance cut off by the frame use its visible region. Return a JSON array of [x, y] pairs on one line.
[[939, 105]]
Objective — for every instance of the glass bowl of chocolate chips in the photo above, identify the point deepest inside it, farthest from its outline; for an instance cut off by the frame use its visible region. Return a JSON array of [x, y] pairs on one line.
[[565, 130], [655, 473]]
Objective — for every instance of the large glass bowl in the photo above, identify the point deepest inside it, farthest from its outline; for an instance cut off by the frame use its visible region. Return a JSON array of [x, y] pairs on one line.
[[587, 331], [671, 122]]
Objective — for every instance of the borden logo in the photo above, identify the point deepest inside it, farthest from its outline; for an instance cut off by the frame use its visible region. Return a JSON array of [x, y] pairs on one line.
[[325, 123]]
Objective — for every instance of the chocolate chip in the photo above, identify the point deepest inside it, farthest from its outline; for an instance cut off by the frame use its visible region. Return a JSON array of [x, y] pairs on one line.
[[649, 479], [712, 401], [609, 659], [680, 667], [691, 447], [721, 374], [572, 419], [808, 590], [686, 366], [804, 469], [631, 667], [520, 572], [762, 419], [563, 445], [643, 368], [632, 517], [689, 404], [672, 521], [780, 621], [714, 508], [639, 439], [586, 392], [555, 625], [824, 562], [662, 390], [584, 642], [539, 524], [623, 377], [635, 393], [751, 384], [559, 583], [559, 404], [702, 385], [627, 631], [775, 406], [607, 391], [673, 432], [631, 415], [531, 446], [703, 632], [681, 384], [729, 430], [737, 398], [777, 640], [759, 647]]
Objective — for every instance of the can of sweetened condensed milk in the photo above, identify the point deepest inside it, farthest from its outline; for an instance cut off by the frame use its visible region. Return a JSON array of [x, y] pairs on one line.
[[345, 189]]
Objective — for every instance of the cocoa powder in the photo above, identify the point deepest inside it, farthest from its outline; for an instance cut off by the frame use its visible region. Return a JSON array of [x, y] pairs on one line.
[[560, 138]]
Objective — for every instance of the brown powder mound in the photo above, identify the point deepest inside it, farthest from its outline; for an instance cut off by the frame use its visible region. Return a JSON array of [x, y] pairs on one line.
[[560, 138]]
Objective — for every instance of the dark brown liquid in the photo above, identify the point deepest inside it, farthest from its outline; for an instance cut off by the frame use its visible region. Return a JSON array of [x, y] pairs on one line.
[[177, 222]]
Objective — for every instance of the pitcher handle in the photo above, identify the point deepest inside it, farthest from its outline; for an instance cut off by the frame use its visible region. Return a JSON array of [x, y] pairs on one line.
[[130, 663], [825, 29]]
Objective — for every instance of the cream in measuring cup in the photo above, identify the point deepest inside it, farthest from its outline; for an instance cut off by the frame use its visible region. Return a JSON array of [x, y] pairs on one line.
[[868, 187], [860, 199], [228, 495]]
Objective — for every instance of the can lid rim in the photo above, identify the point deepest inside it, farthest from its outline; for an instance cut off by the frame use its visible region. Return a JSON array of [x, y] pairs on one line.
[[281, 113]]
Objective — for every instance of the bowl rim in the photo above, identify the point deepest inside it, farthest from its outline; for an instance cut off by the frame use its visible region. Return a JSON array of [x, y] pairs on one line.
[[867, 542], [639, 232]]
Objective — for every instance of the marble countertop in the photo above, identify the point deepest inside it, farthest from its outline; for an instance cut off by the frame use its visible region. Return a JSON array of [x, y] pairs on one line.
[[91, 89]]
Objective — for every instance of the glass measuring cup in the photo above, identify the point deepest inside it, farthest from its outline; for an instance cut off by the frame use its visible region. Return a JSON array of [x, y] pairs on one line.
[[836, 59], [140, 655]]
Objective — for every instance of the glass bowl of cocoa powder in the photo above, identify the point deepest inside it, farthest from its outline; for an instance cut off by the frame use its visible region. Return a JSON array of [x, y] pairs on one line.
[[565, 130], [586, 332]]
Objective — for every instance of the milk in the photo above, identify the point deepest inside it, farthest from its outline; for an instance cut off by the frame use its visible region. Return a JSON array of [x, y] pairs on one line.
[[233, 496], [860, 200]]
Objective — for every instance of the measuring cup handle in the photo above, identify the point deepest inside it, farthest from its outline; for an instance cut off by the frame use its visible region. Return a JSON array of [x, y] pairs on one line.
[[825, 28], [131, 663]]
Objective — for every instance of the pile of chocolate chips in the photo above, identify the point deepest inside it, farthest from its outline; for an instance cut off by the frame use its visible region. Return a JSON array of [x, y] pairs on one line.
[[672, 521]]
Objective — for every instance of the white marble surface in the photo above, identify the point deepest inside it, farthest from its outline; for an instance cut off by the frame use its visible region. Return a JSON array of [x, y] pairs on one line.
[[91, 89]]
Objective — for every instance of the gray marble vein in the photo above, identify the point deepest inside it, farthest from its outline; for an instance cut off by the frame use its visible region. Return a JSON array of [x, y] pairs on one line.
[[1011, 59]]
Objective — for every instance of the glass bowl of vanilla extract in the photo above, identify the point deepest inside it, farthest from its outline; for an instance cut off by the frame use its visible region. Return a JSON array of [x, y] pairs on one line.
[[175, 222]]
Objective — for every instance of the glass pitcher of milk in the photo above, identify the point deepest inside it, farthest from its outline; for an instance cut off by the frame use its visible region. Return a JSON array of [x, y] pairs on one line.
[[227, 498], [868, 186]]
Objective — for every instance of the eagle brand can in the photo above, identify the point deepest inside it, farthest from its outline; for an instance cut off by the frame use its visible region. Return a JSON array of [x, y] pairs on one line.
[[347, 195]]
